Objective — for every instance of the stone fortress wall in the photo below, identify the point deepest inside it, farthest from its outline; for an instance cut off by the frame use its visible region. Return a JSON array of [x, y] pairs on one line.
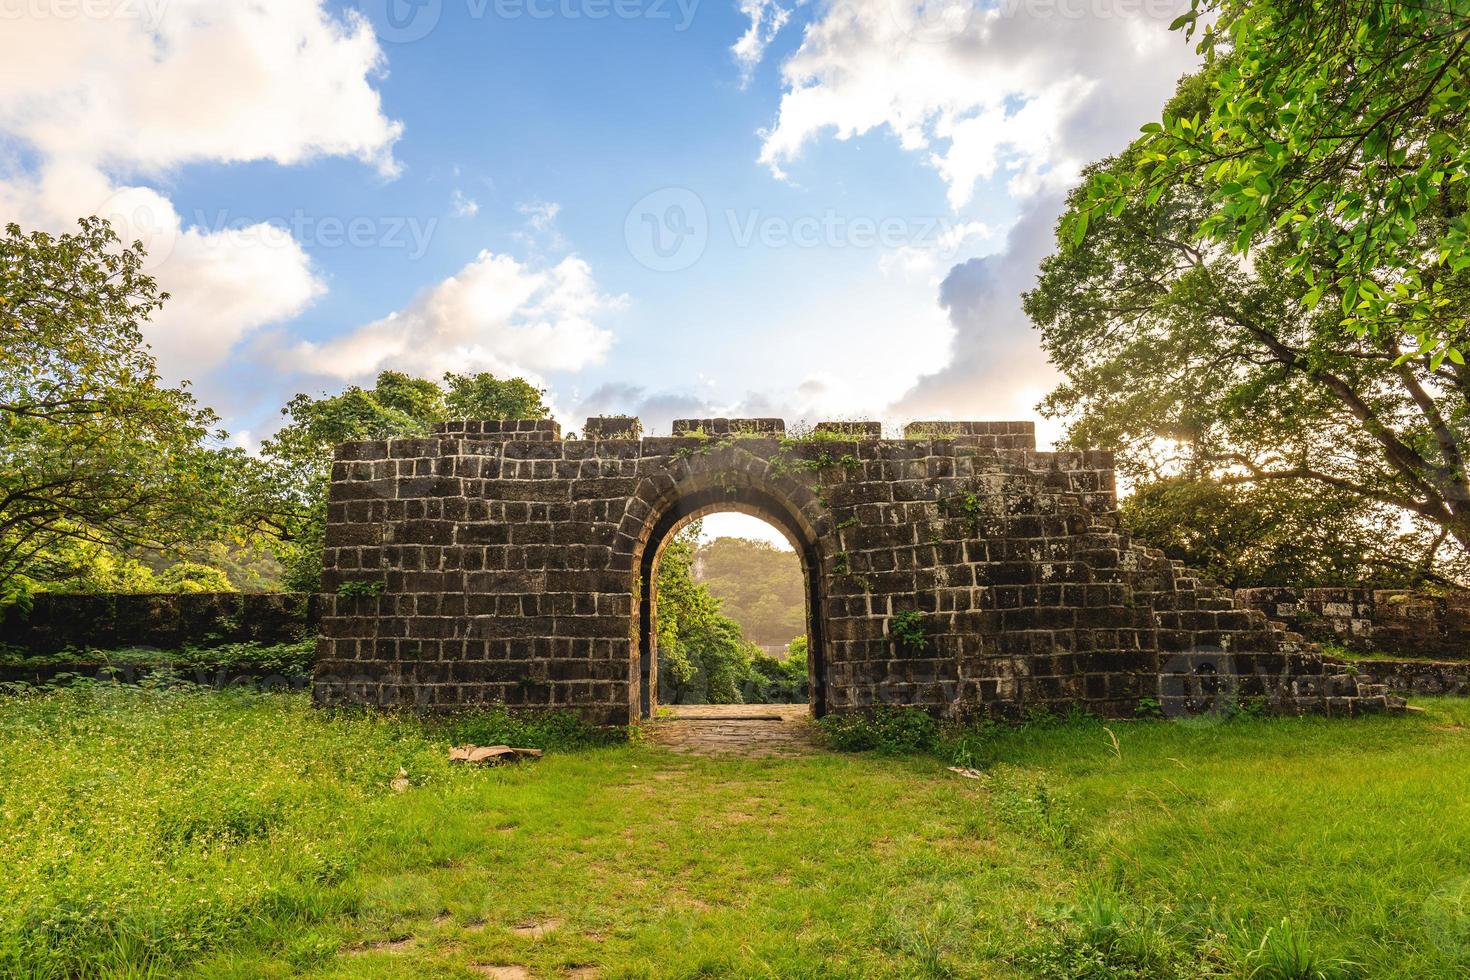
[[957, 569]]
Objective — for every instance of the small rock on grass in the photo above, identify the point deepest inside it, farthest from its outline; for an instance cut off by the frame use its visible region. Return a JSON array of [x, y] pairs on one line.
[[537, 929]]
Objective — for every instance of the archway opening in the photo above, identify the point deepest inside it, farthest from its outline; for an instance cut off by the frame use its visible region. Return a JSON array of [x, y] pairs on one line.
[[725, 575]]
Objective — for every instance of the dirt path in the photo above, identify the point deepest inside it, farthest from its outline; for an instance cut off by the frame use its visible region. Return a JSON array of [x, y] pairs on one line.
[[750, 730]]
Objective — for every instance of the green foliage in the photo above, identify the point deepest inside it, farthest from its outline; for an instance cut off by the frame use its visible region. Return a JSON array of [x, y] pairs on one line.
[[759, 586], [773, 681], [99, 453], [360, 588], [800, 434], [1253, 535], [886, 730], [484, 397], [906, 630], [245, 561], [280, 658], [193, 576], [1335, 135], [1286, 953], [285, 495], [1188, 361], [967, 506], [797, 650], [703, 655], [73, 565]]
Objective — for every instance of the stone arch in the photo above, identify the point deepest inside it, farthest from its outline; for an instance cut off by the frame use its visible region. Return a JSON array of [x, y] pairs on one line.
[[725, 478]]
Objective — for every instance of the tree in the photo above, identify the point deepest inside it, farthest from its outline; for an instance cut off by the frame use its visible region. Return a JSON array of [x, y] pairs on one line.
[[484, 396], [97, 452], [288, 491], [703, 656], [1336, 134], [761, 587], [194, 576], [779, 681], [1245, 535], [1197, 361]]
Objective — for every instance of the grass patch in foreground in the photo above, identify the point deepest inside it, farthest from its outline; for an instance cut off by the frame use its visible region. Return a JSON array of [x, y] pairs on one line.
[[228, 835]]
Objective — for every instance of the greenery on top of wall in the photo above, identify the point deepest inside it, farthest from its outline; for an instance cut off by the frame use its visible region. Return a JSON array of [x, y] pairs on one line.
[[283, 658]]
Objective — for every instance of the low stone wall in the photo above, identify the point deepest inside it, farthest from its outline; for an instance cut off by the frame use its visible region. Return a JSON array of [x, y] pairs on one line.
[[63, 621], [1395, 621], [1423, 677]]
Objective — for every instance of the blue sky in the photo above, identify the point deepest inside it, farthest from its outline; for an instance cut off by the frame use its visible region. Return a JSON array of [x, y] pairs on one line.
[[621, 199]]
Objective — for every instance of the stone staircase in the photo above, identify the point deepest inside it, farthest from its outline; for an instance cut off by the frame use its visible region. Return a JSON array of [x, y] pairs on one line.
[[1203, 632]]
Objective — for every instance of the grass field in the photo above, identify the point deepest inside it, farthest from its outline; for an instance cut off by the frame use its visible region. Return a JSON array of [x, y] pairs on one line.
[[185, 832]]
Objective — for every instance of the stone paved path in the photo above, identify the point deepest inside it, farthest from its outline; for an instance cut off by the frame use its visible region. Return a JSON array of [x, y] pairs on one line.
[[748, 730]]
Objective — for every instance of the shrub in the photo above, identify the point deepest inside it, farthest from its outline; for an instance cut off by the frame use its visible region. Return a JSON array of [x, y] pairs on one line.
[[560, 730], [891, 731], [772, 681], [278, 658]]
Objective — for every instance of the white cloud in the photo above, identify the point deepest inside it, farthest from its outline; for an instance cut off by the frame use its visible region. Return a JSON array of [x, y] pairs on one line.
[[996, 368], [222, 285], [925, 262], [1025, 91], [101, 104], [277, 80], [541, 234], [1030, 89], [766, 20], [465, 207], [497, 314]]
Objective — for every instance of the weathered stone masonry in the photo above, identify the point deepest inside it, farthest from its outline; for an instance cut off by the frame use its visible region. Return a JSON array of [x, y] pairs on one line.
[[513, 566]]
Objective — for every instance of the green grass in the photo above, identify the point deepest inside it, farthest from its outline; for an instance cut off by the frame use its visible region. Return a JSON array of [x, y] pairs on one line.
[[1341, 652], [225, 834]]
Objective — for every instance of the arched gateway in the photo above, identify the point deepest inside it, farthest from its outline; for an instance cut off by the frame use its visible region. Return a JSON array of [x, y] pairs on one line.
[[957, 569]]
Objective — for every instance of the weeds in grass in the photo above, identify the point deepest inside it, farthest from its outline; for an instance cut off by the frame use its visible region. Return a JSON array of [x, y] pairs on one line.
[[1285, 953], [889, 731], [559, 730], [1025, 802], [1103, 936]]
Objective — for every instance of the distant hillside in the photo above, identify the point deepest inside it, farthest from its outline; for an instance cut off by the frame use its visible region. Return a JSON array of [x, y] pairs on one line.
[[761, 587]]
